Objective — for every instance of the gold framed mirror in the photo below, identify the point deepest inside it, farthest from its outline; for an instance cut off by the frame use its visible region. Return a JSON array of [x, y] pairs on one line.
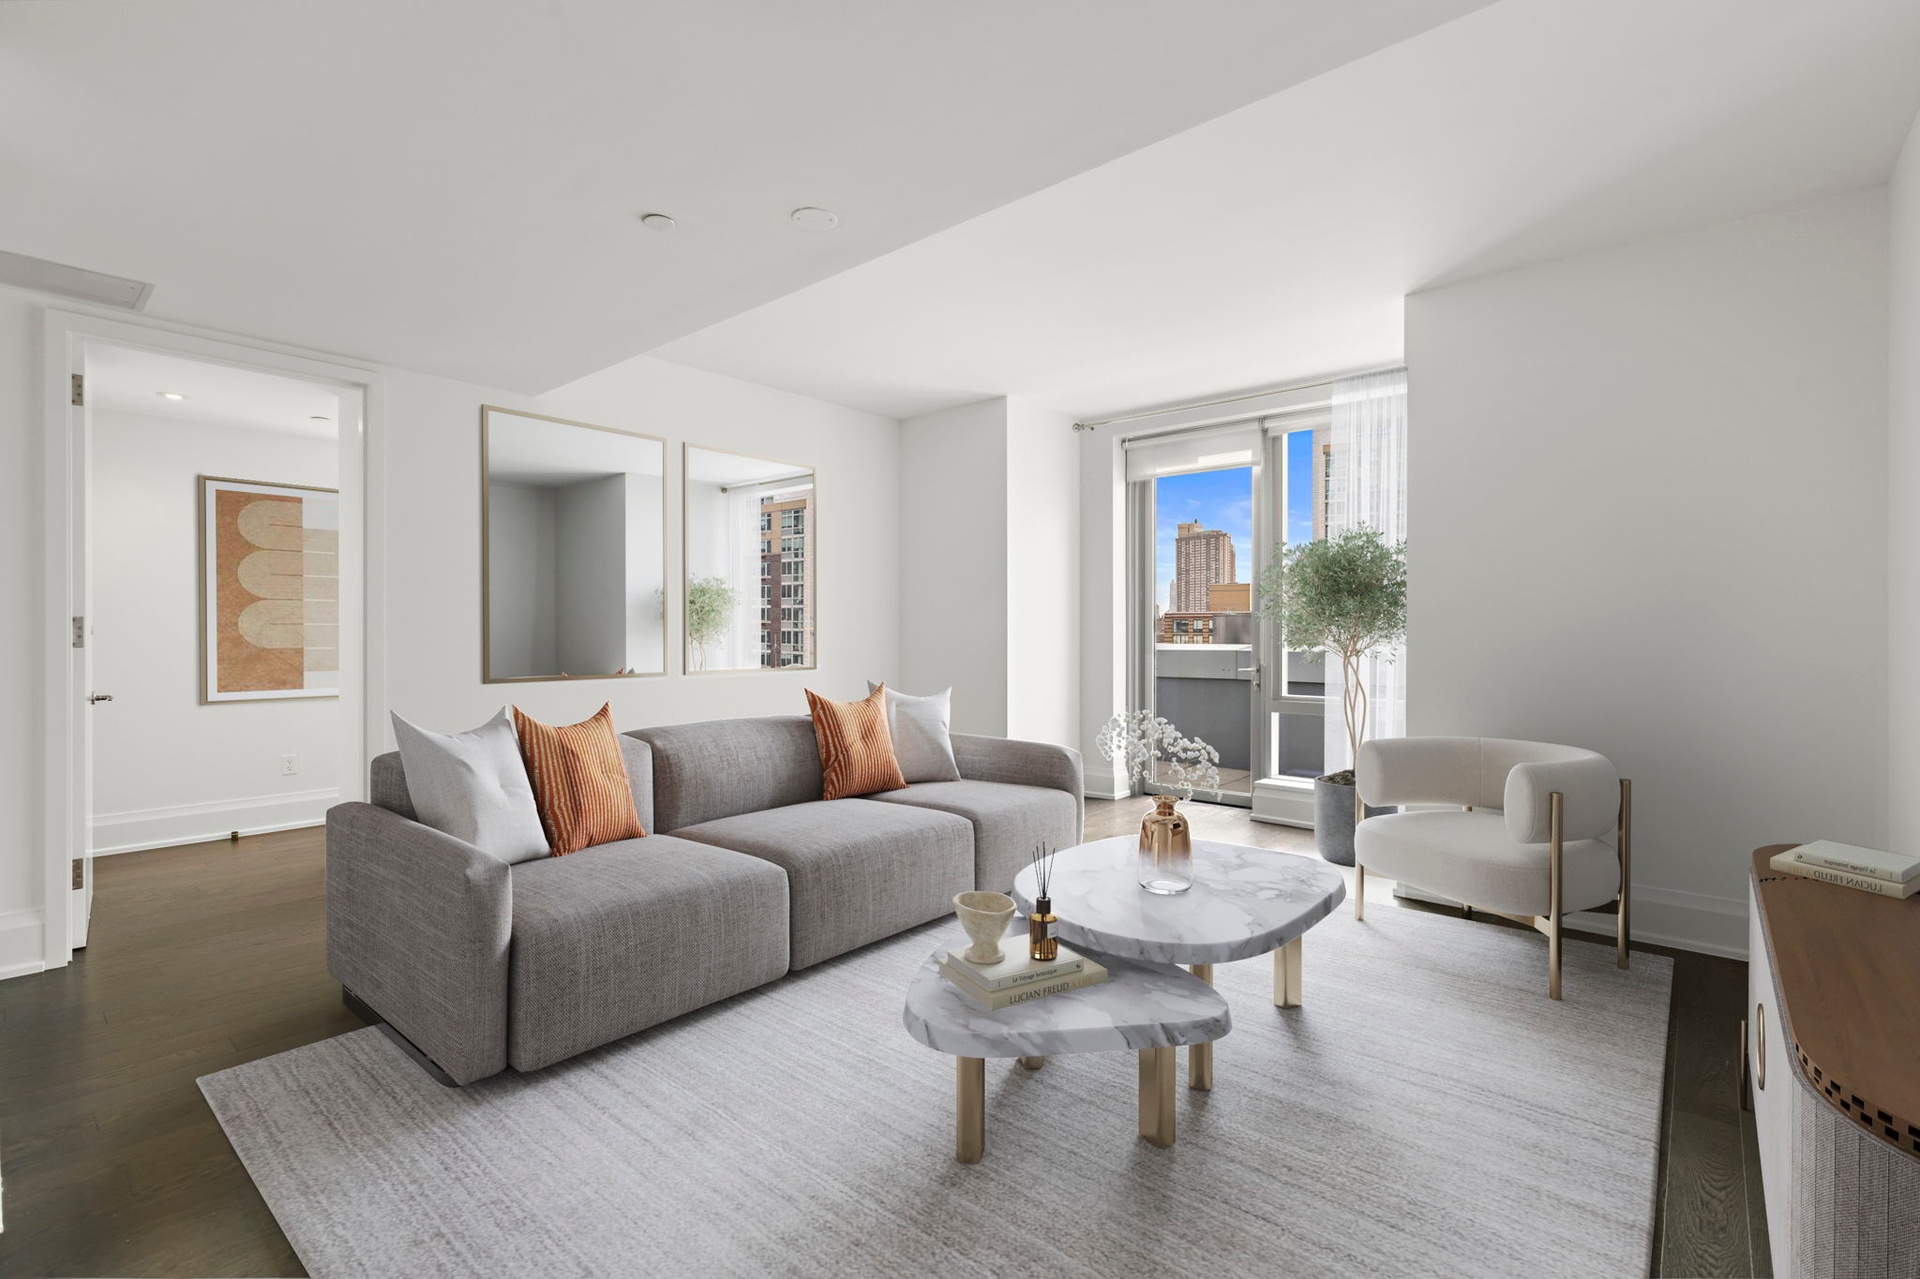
[[573, 550], [751, 559]]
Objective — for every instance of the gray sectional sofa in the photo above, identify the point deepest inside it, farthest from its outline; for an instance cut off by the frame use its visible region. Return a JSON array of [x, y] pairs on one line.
[[748, 875]]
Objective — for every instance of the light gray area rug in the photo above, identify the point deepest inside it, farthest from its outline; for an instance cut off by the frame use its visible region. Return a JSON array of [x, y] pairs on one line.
[[1427, 1112]]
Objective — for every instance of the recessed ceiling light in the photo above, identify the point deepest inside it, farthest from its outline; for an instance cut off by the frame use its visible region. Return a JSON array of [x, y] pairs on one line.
[[319, 417], [808, 218], [656, 221], [170, 395]]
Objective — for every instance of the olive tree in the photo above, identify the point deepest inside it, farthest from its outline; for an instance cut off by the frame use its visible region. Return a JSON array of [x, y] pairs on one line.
[[1345, 594]]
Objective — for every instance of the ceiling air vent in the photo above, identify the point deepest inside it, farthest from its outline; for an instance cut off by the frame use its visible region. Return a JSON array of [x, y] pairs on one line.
[[43, 276]]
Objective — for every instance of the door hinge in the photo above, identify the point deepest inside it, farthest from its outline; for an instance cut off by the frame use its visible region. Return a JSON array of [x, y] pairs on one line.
[[79, 875], [79, 632], [79, 390]]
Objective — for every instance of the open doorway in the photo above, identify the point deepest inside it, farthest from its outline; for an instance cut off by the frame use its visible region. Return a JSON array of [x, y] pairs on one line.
[[213, 561], [214, 537]]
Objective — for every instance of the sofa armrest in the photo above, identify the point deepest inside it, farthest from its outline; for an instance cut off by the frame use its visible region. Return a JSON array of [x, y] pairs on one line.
[[418, 926], [1001, 759]]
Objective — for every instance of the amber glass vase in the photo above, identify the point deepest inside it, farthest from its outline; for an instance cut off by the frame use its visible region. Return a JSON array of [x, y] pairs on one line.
[[1166, 849]]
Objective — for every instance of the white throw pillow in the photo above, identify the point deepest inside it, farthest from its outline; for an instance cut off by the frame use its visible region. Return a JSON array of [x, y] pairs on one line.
[[921, 741], [473, 786]]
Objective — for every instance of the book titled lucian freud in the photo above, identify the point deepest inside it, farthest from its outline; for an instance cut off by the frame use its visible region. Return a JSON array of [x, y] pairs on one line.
[[1789, 863], [1872, 863]]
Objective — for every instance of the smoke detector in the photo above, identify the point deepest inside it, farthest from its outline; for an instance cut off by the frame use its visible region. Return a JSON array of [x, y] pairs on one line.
[[808, 218]]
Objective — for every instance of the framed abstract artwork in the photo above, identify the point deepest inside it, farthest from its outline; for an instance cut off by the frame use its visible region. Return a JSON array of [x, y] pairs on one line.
[[269, 591]]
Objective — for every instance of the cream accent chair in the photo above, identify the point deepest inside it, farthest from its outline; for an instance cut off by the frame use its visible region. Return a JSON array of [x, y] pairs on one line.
[[1538, 830]]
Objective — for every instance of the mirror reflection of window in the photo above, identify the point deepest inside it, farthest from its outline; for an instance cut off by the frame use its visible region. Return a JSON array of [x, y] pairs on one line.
[[750, 555], [574, 525]]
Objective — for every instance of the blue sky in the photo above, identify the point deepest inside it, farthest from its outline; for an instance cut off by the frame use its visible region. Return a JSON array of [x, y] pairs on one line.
[[1224, 500]]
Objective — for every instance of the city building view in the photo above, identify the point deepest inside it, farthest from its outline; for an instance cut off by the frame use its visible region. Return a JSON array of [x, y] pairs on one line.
[[786, 608]]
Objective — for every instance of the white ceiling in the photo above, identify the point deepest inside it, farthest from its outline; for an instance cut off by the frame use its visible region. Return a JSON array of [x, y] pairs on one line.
[[124, 380], [716, 466], [453, 188], [540, 451], [1277, 242]]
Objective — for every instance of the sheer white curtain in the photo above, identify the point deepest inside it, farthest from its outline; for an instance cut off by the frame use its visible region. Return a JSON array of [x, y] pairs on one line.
[[1367, 486]]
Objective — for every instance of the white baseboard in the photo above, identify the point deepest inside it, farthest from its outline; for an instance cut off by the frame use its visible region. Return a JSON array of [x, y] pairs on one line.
[[1661, 917], [22, 943], [1103, 783], [130, 832], [1283, 801]]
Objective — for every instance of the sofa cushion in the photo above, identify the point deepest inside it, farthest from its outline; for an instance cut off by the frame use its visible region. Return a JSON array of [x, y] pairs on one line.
[[1007, 822], [857, 871], [473, 786], [580, 781], [856, 746], [722, 768], [922, 741], [389, 781], [622, 936], [1469, 858]]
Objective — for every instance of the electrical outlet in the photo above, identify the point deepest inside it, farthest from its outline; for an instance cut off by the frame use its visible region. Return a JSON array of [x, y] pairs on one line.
[[289, 765]]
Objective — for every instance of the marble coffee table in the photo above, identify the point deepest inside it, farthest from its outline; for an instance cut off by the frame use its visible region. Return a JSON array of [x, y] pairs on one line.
[[1149, 1007], [1244, 902]]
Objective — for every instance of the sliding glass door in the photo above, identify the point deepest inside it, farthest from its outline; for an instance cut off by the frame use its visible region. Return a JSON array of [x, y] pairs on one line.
[[1205, 510]]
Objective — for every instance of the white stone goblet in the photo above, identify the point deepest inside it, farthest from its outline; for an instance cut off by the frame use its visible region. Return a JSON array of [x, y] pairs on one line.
[[985, 916]]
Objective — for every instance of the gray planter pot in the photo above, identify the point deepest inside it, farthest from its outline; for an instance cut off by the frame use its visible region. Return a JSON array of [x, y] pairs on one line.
[[1333, 820]]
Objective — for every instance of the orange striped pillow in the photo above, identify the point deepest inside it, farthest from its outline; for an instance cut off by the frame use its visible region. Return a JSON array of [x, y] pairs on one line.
[[856, 748], [579, 781]]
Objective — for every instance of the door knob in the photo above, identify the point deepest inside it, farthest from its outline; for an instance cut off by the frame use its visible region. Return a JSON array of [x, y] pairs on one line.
[[98, 697]]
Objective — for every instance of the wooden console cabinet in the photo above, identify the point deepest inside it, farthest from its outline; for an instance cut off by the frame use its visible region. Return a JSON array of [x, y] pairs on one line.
[[1833, 1064]]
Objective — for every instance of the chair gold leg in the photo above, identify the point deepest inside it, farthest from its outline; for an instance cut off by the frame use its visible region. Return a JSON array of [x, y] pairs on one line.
[[1286, 975], [1156, 1095], [970, 1109], [1200, 1056], [1556, 815], [1033, 1063], [1359, 890], [1623, 933]]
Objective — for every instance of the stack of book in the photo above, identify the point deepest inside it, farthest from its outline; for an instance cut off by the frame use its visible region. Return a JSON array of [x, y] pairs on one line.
[[1016, 979], [1867, 869]]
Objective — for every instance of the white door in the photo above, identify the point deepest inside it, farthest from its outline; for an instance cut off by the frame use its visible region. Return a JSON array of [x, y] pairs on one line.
[[80, 441]]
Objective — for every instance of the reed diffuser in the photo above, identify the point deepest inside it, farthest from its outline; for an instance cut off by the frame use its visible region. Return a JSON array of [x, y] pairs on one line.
[[1042, 945]]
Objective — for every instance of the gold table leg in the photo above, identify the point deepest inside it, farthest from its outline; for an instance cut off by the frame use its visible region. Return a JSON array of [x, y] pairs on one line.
[[970, 1109], [1156, 1095], [1286, 975], [1200, 1056], [1033, 1063]]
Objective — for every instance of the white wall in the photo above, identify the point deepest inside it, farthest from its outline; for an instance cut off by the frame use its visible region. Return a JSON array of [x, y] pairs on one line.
[[953, 561], [1903, 481], [432, 547], [990, 567], [21, 779], [522, 531], [1042, 639], [430, 562], [1647, 516], [591, 594], [168, 769]]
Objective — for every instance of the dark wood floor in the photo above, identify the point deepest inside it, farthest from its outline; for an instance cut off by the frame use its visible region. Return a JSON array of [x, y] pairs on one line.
[[212, 955]]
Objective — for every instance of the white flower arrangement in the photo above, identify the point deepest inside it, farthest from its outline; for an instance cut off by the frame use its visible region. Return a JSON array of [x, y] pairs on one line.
[[1136, 739]]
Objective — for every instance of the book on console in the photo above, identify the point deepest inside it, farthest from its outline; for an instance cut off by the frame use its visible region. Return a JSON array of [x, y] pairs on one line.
[[1870, 863], [1789, 864], [1089, 974], [1016, 967]]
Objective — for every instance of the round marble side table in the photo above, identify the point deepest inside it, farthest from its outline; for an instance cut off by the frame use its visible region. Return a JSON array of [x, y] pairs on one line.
[[1244, 903], [1151, 1008]]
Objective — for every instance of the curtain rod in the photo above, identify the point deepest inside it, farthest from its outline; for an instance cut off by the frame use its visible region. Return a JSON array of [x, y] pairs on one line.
[[1202, 404], [1231, 399]]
